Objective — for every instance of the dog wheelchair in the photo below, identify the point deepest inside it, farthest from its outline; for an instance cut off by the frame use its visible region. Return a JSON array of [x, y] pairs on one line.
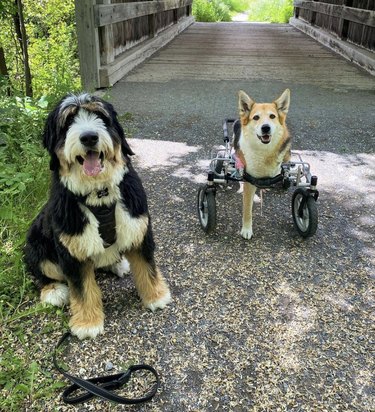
[[295, 173]]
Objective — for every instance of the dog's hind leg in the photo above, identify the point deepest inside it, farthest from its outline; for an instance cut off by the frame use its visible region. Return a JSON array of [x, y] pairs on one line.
[[85, 303], [150, 284], [247, 214]]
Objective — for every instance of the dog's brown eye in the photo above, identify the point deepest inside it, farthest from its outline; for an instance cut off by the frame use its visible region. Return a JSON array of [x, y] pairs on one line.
[[272, 116], [256, 117]]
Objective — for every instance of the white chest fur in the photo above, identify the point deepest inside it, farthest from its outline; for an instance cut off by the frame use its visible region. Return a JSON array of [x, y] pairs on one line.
[[262, 160]]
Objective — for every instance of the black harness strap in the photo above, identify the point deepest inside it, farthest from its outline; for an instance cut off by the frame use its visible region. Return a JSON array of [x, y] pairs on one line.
[[262, 182], [107, 222], [103, 385]]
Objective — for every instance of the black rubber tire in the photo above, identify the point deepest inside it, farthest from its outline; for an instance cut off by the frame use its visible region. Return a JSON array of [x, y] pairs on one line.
[[305, 219], [206, 207]]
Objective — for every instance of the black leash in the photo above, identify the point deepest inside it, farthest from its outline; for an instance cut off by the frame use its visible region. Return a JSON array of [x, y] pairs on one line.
[[103, 386]]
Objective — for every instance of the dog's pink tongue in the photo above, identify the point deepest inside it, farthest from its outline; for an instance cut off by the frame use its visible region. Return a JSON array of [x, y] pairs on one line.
[[91, 164]]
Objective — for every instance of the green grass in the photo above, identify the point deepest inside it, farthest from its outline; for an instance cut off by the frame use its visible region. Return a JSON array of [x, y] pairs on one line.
[[211, 11], [24, 183], [272, 11]]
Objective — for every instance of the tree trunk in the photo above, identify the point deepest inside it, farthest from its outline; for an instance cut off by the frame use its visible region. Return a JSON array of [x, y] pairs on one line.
[[4, 69], [22, 38]]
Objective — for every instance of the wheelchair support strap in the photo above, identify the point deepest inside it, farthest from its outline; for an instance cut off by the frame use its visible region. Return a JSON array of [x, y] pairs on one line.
[[262, 182]]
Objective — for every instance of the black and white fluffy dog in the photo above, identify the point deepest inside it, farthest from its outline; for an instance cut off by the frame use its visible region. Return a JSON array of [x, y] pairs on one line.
[[96, 215]]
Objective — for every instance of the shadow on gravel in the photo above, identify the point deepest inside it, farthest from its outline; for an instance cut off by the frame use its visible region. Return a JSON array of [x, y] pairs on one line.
[[274, 321]]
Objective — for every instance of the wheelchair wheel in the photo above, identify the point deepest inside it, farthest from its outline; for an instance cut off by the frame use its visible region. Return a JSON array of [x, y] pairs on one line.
[[207, 208], [305, 213]]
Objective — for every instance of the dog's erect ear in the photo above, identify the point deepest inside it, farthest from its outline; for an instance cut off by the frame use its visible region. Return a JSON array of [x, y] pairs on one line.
[[282, 103], [244, 105]]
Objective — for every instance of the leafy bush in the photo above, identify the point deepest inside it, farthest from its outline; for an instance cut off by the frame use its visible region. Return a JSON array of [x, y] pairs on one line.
[[211, 11], [273, 11], [23, 180], [237, 6]]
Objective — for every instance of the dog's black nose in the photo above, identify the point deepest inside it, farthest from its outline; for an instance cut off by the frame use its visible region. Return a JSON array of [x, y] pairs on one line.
[[266, 128], [89, 139]]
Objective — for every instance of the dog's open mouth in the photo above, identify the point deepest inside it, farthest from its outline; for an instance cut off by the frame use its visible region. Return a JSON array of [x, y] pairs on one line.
[[265, 138], [92, 162]]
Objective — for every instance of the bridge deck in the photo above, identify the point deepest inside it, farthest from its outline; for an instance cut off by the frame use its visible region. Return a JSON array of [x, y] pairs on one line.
[[236, 51]]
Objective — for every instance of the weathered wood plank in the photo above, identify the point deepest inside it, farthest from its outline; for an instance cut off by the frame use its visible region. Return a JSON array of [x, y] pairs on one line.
[[112, 73], [250, 53], [88, 44], [366, 17], [108, 14], [106, 41], [356, 54]]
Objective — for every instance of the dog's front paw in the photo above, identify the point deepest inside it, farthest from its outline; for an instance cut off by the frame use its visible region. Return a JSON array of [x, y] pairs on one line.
[[160, 303], [121, 268], [86, 331], [55, 293], [247, 232]]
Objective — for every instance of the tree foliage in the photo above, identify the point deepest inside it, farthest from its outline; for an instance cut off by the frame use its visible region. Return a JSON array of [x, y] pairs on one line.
[[52, 46]]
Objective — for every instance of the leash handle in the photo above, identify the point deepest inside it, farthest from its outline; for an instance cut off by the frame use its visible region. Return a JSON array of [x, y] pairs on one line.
[[102, 386]]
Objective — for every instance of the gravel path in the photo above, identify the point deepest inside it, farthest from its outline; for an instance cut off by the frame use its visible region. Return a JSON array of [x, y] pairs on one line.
[[272, 324]]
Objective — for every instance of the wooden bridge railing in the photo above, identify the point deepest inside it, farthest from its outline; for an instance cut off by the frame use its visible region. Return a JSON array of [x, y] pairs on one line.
[[350, 21], [116, 35]]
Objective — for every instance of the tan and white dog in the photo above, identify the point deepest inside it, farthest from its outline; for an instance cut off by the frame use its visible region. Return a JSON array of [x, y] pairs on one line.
[[262, 143]]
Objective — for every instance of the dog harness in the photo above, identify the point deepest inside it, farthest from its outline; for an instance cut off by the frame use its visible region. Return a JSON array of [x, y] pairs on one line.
[[105, 216], [262, 182]]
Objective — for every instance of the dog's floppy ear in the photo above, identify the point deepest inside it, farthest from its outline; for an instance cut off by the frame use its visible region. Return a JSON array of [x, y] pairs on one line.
[[50, 138], [125, 148], [282, 103], [244, 105]]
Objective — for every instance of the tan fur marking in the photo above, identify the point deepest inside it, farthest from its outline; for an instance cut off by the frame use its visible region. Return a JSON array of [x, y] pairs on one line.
[[95, 107], [64, 164], [150, 284], [86, 244], [66, 112], [87, 306], [51, 270]]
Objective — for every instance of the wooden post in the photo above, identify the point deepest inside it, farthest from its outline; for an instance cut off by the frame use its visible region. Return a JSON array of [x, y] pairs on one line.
[[152, 25], [344, 24], [313, 16], [107, 51], [88, 44]]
